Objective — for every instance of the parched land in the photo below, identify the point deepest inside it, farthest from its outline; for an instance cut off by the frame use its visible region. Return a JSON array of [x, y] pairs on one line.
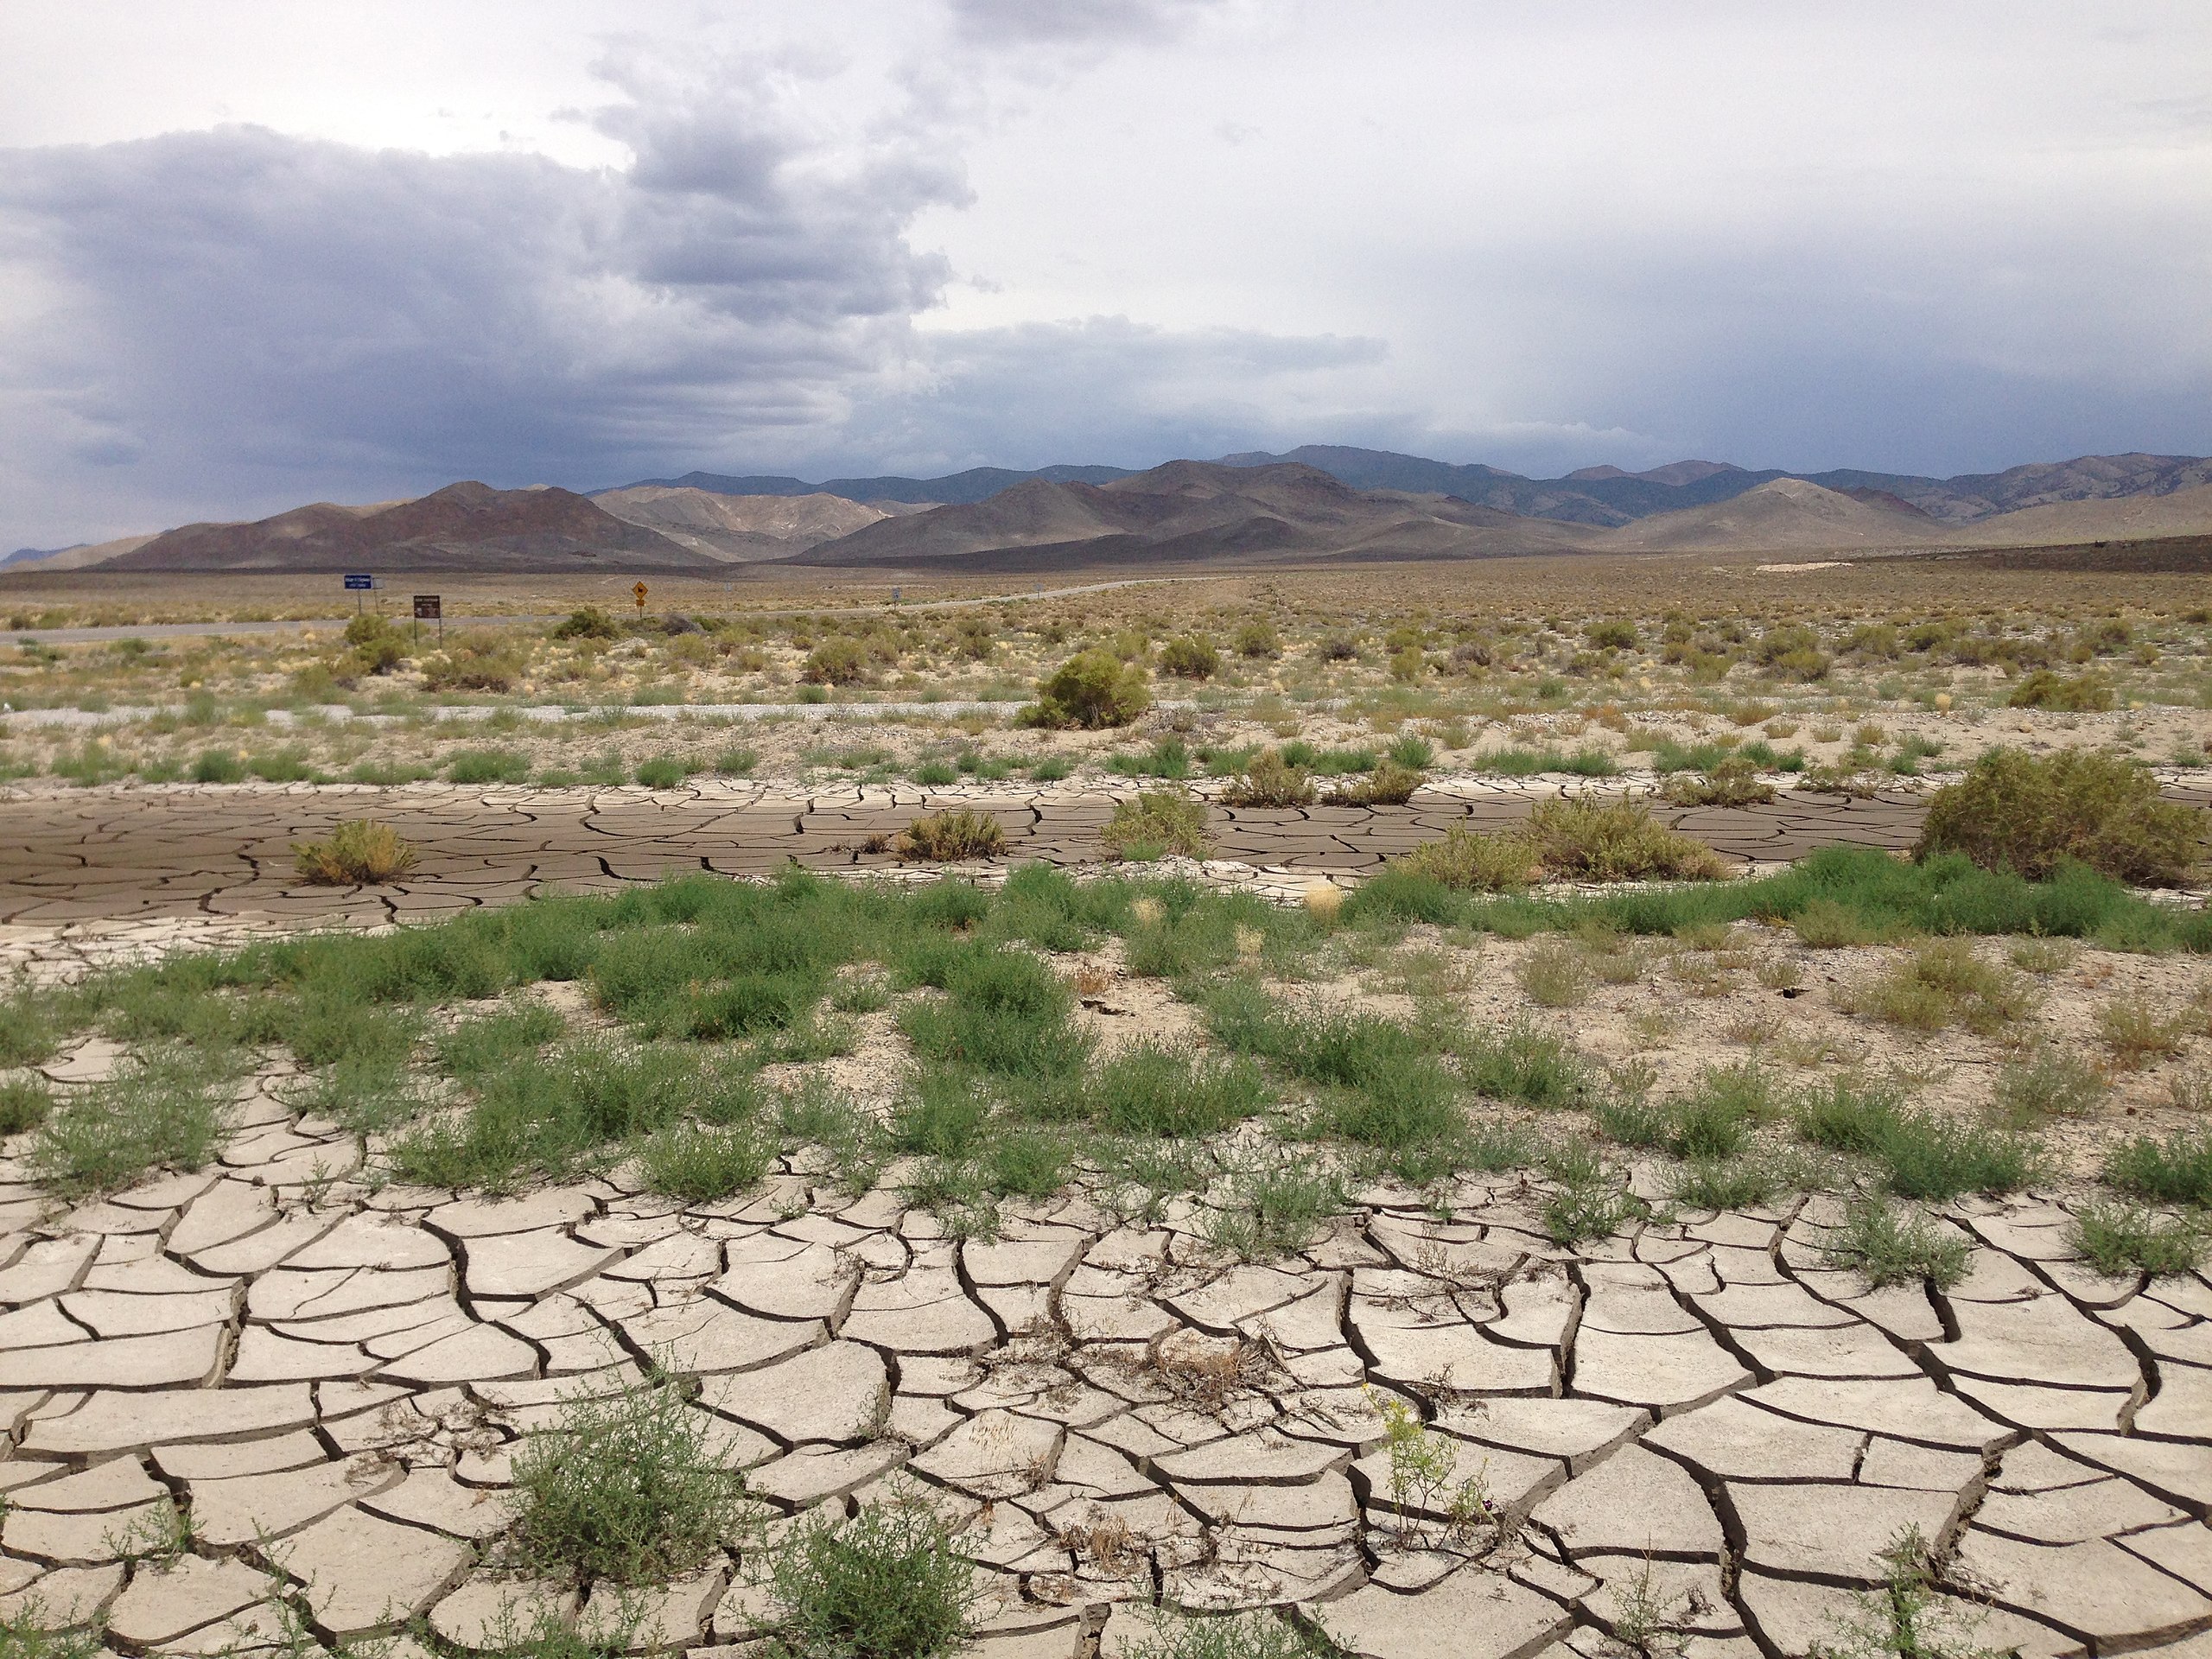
[[674, 1207]]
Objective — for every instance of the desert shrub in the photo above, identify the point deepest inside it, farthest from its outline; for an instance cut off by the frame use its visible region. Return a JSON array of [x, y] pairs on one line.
[[159, 1111], [1093, 689], [1524, 1066], [1468, 862], [489, 767], [357, 852], [24, 1103], [704, 1166], [1615, 841], [1153, 1091], [837, 661], [1169, 1635], [2029, 816], [1388, 784], [1792, 650], [1921, 1154], [1892, 1246], [1258, 638], [626, 1487], [218, 766], [1005, 1012], [2049, 1084], [375, 645], [1190, 657], [589, 623], [1335, 648], [2125, 1238], [2062, 693], [1732, 782], [1528, 763], [890, 1583], [662, 771], [1554, 974], [475, 661], [1613, 633], [2176, 1171], [1159, 822], [1944, 982], [1270, 780], [949, 838], [1169, 757]]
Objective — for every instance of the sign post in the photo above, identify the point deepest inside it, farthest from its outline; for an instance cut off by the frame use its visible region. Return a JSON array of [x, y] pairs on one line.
[[357, 583], [429, 609], [640, 591]]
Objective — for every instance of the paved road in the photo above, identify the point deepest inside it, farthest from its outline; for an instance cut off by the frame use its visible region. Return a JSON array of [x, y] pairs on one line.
[[206, 630], [109, 855]]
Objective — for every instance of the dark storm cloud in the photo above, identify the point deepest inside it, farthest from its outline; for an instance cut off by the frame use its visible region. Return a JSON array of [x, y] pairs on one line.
[[226, 304]]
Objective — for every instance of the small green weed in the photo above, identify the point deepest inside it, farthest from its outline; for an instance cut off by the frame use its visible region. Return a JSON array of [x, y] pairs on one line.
[[626, 1486], [1894, 1246], [2176, 1171], [890, 1583], [2126, 1238]]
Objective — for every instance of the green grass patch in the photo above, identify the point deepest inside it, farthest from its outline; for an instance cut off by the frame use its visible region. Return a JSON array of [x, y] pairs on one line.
[[2125, 1238], [160, 1111], [889, 1583], [2177, 1170], [1921, 1154], [1891, 1245]]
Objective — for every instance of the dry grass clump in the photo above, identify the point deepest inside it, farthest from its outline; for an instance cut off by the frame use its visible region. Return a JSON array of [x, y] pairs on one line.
[[1578, 839], [2017, 813], [1615, 841], [1157, 823], [2073, 694], [1941, 985], [1270, 780], [356, 852], [1388, 784], [948, 837], [1468, 862], [1733, 782]]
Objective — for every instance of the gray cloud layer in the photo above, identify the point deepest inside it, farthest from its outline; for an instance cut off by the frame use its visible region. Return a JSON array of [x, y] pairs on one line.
[[229, 321]]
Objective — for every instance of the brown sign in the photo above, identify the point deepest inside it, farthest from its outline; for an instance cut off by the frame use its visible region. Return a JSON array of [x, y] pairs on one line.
[[426, 608], [641, 590]]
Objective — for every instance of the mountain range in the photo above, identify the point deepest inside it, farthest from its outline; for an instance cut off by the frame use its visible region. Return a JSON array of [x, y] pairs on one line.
[[1319, 503]]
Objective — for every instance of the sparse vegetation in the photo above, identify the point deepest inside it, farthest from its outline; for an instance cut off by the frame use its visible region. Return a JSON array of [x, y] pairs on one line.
[[2029, 816], [1092, 688], [890, 1583], [626, 1487], [357, 852], [953, 837], [1894, 1246], [1160, 822]]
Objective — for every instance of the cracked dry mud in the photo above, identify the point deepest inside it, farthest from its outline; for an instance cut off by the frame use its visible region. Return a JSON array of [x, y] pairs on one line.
[[1701, 1416], [219, 855], [1698, 1419]]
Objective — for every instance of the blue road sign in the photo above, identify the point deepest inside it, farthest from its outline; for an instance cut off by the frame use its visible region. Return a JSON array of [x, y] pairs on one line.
[[357, 583]]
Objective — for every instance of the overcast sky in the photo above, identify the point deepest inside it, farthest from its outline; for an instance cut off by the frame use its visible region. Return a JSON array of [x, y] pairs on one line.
[[255, 252]]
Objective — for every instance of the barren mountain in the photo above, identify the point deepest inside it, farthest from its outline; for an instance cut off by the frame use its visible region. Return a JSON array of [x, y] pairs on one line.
[[1189, 510], [738, 528], [2129, 517], [466, 526], [1785, 514]]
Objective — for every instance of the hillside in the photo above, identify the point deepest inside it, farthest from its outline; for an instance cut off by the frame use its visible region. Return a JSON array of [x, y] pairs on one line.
[[466, 526], [1785, 514], [1188, 510], [738, 528]]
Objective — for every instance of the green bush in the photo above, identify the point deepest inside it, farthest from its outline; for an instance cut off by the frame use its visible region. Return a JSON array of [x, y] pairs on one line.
[[2074, 694], [589, 623], [24, 1103], [1093, 689], [837, 661], [1258, 638], [1388, 784], [2118, 1239], [489, 767], [377, 646], [627, 1487], [2175, 1171], [890, 1583], [1270, 781], [1890, 1246], [1190, 657], [662, 771], [480, 661], [1157, 823], [2030, 816], [1587, 840], [1613, 633], [1468, 862], [218, 766]]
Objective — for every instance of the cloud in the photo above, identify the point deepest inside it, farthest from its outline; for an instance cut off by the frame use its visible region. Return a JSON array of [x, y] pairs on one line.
[[250, 309], [1074, 22]]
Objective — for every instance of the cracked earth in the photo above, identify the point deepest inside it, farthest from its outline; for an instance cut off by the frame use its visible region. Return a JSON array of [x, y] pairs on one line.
[[1698, 1424], [1700, 1415]]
